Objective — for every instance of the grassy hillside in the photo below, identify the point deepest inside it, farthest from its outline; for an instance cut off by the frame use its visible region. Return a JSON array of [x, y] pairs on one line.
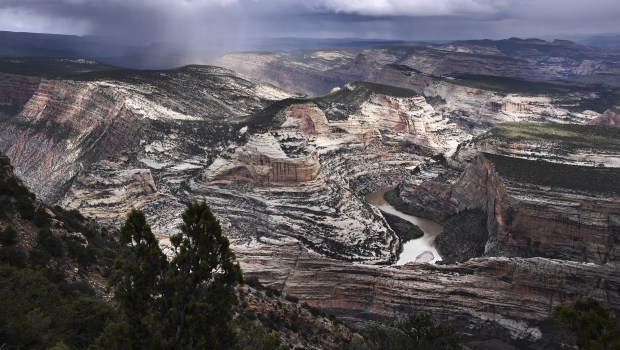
[[568, 136], [538, 172]]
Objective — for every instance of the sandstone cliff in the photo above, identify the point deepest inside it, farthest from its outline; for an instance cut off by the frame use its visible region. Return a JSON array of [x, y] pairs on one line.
[[263, 160], [301, 177], [609, 118], [543, 193], [288, 181], [58, 128], [324, 69], [511, 297]]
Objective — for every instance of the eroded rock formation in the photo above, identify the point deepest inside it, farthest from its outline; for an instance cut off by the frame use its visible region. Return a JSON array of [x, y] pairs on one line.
[[263, 160], [527, 220], [542, 186], [288, 181], [61, 127], [514, 295]]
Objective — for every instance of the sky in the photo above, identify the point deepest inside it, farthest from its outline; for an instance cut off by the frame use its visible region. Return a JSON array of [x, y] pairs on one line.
[[219, 22]]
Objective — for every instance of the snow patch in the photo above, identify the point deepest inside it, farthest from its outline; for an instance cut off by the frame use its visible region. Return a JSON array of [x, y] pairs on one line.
[[153, 164]]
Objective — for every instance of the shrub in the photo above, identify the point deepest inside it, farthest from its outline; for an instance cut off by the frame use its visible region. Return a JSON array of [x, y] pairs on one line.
[[591, 324], [8, 236]]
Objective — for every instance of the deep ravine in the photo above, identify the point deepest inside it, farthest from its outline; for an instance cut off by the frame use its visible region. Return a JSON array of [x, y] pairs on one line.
[[416, 250]]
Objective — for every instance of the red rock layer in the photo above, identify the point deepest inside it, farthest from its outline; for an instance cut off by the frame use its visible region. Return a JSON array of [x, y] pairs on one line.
[[64, 127]]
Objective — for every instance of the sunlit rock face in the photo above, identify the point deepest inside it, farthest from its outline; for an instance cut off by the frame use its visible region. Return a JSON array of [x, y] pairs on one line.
[[61, 127], [300, 182], [64, 127], [526, 219], [288, 153], [263, 160], [287, 181], [548, 190]]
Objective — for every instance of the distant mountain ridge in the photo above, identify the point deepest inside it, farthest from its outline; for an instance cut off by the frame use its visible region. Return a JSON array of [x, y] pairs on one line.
[[168, 55]]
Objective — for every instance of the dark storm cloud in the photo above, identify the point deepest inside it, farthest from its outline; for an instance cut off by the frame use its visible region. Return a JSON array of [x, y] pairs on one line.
[[222, 22]]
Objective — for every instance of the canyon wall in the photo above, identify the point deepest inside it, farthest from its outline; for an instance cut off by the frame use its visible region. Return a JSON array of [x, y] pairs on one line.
[[263, 160], [61, 130], [15, 92], [525, 219], [512, 294]]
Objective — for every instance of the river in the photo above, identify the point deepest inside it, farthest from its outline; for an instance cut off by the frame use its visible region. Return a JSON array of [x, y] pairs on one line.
[[419, 250]]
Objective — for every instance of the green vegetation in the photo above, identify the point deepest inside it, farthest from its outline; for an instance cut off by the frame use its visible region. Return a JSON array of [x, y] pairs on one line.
[[414, 332], [14, 196], [592, 326], [404, 229], [542, 173], [184, 303], [137, 280], [607, 99], [392, 198], [264, 120], [567, 136], [40, 310], [254, 337], [507, 85]]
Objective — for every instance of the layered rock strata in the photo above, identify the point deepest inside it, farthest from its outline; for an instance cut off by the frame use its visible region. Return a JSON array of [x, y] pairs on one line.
[[325, 151], [515, 295], [541, 221], [530, 59], [287, 184], [476, 84], [62, 127], [263, 160], [548, 190]]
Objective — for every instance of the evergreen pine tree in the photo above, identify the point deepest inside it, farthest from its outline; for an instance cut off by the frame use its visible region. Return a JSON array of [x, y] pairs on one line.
[[591, 323], [182, 304], [200, 283], [137, 279]]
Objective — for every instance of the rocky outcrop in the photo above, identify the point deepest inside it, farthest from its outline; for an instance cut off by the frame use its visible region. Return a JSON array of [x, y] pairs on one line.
[[609, 118], [581, 145], [559, 222], [67, 125], [464, 236], [15, 92], [511, 294], [474, 83], [75, 247], [525, 219], [548, 190], [302, 177], [297, 189], [62, 129], [305, 164], [263, 160]]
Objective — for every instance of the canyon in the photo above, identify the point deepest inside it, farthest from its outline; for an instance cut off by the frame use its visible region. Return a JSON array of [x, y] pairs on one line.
[[421, 65], [287, 175]]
